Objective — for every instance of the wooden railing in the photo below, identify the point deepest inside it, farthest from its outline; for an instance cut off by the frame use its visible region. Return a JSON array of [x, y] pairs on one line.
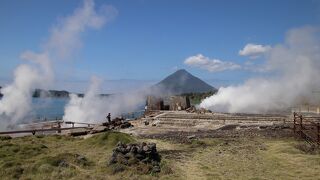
[[49, 126], [34, 131], [307, 128]]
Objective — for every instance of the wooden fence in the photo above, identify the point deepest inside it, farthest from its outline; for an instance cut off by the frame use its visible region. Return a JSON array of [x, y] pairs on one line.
[[49, 126], [307, 128]]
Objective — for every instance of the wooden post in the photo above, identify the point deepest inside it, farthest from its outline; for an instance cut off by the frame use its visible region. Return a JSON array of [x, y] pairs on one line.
[[318, 133], [301, 127], [294, 122], [59, 126]]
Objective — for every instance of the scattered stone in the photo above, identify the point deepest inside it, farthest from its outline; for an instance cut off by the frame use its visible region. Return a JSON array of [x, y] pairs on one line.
[[191, 137], [63, 163], [80, 159], [126, 124], [229, 127], [244, 126], [193, 109], [263, 147], [263, 127], [146, 123], [156, 169]]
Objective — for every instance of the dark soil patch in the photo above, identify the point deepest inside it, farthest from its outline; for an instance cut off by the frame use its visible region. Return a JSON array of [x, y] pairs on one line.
[[182, 136]]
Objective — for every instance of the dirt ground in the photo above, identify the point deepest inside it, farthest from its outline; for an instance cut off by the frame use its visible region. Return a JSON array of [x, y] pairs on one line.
[[186, 134]]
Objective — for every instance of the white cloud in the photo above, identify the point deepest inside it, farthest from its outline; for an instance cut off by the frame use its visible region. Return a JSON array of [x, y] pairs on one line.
[[254, 50], [212, 65]]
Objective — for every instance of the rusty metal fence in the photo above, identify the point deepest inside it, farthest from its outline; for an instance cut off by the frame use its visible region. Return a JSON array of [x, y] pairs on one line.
[[307, 128]]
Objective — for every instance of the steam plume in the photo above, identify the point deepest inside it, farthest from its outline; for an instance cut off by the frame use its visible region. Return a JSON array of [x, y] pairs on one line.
[[295, 69], [92, 108], [64, 39]]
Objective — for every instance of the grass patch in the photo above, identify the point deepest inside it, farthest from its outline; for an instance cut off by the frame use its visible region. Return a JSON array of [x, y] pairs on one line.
[[61, 157], [58, 157], [109, 139], [65, 160]]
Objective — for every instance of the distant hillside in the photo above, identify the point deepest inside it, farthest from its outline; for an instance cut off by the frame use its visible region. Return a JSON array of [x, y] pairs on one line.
[[50, 93], [182, 82], [56, 94]]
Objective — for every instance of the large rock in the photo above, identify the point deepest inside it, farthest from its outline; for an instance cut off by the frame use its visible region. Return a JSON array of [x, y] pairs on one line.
[[117, 123]]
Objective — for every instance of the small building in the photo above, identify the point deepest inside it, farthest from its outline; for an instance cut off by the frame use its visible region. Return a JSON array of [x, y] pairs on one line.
[[173, 103], [154, 103], [178, 103]]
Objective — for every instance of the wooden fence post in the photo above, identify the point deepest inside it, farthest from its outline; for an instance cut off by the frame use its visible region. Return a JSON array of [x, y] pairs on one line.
[[318, 133], [59, 127], [301, 127], [294, 122]]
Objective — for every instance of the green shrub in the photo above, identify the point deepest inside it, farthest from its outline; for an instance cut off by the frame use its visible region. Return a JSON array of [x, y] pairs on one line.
[[3, 138]]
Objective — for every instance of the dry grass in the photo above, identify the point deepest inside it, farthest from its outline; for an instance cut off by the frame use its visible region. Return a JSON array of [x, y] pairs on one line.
[[249, 159], [59, 157]]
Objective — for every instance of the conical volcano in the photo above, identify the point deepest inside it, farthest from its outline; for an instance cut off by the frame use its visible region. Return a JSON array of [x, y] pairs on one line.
[[181, 82]]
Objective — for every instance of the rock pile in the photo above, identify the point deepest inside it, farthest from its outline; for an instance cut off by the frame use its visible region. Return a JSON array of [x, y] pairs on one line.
[[133, 154], [193, 109], [118, 123]]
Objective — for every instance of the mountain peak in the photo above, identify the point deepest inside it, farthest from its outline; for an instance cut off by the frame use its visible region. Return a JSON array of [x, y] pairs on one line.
[[182, 71], [181, 82]]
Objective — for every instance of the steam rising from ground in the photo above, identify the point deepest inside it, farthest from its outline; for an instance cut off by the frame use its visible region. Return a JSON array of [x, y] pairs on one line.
[[64, 39], [16, 103], [93, 108], [295, 68]]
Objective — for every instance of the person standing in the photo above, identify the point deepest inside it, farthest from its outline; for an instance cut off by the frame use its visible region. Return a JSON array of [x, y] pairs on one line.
[[109, 117]]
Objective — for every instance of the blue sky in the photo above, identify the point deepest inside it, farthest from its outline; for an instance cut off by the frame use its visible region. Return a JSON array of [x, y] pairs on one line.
[[150, 39]]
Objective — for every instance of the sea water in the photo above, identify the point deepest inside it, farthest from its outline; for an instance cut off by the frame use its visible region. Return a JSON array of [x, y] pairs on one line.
[[46, 109]]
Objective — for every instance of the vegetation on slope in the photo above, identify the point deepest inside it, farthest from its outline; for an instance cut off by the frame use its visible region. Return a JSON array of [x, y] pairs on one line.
[[196, 98], [60, 157]]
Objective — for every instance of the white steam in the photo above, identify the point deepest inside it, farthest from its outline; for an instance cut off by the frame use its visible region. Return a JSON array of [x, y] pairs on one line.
[[294, 69], [64, 39], [16, 103], [93, 108]]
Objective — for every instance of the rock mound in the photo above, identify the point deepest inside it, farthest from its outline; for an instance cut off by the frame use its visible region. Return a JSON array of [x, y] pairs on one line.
[[135, 154], [118, 123]]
